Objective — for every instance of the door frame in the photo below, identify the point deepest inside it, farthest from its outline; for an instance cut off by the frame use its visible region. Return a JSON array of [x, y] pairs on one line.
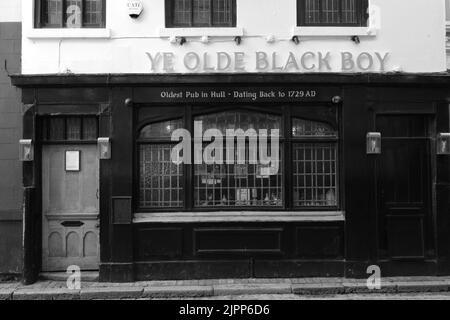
[[429, 224]]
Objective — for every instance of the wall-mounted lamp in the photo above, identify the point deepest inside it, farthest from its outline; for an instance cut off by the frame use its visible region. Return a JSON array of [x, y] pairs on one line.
[[238, 40], [443, 144], [104, 148], [182, 41], [356, 39], [295, 40], [373, 143], [26, 150]]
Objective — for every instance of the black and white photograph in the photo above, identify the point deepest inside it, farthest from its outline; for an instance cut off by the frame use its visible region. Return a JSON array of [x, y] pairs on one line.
[[226, 156]]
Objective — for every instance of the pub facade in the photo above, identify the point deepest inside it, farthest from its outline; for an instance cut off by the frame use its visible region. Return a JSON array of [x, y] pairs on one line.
[[139, 159]]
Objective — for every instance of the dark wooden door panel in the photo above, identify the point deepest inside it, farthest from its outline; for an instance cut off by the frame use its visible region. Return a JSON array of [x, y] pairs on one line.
[[404, 186]]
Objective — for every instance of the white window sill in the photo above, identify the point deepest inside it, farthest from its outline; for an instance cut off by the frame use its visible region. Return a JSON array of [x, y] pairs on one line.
[[68, 33], [334, 31], [200, 32], [239, 216]]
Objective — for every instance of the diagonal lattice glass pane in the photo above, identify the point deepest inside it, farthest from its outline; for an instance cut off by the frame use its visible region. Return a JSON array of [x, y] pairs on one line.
[[160, 182]]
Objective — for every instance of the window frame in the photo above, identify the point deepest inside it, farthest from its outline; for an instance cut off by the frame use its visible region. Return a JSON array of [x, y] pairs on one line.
[[362, 16], [39, 17], [288, 113], [169, 16]]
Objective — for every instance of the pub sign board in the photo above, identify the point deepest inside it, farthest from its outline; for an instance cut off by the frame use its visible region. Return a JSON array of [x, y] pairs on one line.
[[284, 94]]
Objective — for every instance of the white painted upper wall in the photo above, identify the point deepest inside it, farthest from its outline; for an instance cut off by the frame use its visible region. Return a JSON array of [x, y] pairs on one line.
[[10, 10], [409, 34]]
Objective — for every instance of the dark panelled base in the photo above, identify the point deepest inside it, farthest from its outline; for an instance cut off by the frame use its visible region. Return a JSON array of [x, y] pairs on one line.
[[444, 267], [189, 270], [298, 269], [409, 268], [186, 270], [116, 272]]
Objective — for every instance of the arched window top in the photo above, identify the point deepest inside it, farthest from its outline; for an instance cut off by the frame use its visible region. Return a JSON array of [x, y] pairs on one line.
[[160, 130], [308, 128], [240, 120]]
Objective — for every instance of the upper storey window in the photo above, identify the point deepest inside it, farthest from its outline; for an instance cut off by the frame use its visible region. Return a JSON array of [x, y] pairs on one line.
[[200, 13], [316, 13], [70, 13]]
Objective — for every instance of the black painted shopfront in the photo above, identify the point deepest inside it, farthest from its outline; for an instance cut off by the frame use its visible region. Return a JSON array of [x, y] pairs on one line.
[[330, 210]]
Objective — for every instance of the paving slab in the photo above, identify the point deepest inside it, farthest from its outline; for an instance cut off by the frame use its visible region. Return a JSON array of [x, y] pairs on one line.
[[111, 293], [47, 294], [250, 288], [318, 288], [422, 286], [177, 292]]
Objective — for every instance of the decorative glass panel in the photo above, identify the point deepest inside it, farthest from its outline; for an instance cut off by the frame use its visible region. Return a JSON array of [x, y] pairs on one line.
[[307, 128], [160, 179], [241, 120], [161, 130], [315, 175], [73, 128]]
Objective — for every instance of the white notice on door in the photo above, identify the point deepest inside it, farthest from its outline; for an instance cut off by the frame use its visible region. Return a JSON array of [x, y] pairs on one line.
[[72, 161]]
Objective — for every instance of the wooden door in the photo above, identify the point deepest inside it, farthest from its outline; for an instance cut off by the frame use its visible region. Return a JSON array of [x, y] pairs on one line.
[[404, 186], [70, 207]]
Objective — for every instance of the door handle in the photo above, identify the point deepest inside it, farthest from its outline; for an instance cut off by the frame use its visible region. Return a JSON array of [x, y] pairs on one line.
[[97, 194]]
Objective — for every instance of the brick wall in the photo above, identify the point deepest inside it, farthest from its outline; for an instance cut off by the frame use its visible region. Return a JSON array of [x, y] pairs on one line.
[[10, 167]]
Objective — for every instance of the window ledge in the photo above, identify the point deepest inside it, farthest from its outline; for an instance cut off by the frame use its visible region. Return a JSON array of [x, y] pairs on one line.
[[334, 31], [239, 216], [67, 33], [200, 32]]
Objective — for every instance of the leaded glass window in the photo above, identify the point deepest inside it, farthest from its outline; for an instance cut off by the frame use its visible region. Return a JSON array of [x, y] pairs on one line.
[[160, 179], [237, 179], [240, 182], [315, 164]]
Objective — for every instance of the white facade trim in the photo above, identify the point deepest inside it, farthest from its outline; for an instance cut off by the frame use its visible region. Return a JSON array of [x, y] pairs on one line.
[[65, 33], [333, 31], [200, 32]]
